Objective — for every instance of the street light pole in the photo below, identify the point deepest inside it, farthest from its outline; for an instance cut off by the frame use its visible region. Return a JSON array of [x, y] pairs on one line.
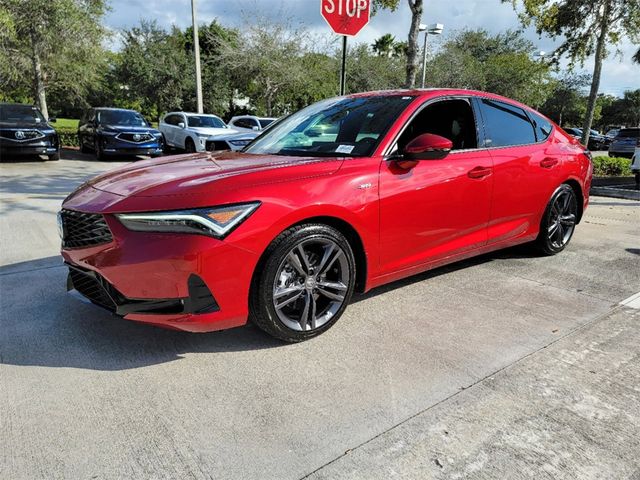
[[435, 29], [424, 56], [196, 49]]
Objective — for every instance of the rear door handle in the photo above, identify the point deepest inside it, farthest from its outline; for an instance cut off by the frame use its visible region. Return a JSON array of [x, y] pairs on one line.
[[549, 162], [479, 172]]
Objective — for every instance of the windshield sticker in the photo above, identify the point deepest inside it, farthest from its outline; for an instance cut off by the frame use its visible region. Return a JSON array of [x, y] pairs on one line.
[[345, 149]]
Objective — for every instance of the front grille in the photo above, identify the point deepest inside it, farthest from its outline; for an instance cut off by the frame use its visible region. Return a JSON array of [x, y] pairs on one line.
[[90, 286], [21, 135], [135, 137], [84, 229]]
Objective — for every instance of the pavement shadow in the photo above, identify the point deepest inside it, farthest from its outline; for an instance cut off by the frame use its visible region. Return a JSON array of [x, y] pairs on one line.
[[44, 326]]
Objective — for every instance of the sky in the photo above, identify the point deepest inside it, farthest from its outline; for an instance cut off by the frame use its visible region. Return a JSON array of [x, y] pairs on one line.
[[619, 72]]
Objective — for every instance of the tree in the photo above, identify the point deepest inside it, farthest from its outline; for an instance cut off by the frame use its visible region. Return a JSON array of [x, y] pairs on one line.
[[412, 42], [54, 43], [588, 28], [636, 57], [152, 70], [623, 111], [384, 46], [499, 63], [567, 103]]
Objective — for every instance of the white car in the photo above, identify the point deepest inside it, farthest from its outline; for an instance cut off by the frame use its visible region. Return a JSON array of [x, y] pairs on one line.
[[190, 131], [250, 123]]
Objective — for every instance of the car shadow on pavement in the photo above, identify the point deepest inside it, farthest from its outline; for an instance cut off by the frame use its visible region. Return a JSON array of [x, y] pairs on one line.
[[44, 326]]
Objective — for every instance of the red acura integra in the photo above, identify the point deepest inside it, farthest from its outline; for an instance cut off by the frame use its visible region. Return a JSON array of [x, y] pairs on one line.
[[342, 196]]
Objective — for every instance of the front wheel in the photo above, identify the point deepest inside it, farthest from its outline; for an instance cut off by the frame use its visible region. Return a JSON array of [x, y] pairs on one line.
[[304, 283], [54, 157], [559, 221]]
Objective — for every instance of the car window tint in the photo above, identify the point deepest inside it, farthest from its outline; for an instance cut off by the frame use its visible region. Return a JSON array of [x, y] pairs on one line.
[[629, 133], [265, 122], [243, 123], [506, 125], [543, 127]]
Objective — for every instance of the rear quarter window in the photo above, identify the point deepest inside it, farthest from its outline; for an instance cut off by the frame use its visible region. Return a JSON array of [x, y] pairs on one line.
[[506, 125]]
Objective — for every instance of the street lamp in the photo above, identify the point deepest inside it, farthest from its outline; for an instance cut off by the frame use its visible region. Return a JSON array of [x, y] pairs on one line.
[[433, 29], [196, 49]]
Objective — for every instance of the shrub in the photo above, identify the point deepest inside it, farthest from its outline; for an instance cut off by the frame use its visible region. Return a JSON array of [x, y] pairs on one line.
[[611, 167], [68, 137]]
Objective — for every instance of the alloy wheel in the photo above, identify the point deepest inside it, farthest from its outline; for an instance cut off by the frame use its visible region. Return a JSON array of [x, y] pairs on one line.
[[562, 219], [311, 284]]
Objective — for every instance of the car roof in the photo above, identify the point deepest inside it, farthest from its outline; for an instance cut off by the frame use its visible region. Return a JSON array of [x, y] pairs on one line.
[[7, 104], [193, 114], [113, 109]]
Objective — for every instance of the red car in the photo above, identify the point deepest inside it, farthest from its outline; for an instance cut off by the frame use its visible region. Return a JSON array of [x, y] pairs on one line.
[[345, 195]]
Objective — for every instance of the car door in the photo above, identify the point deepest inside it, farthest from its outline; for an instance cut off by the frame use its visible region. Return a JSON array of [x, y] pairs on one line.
[[180, 130], [166, 130], [527, 169], [437, 208]]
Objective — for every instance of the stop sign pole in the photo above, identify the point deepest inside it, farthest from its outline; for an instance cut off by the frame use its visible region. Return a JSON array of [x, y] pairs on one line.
[[346, 18]]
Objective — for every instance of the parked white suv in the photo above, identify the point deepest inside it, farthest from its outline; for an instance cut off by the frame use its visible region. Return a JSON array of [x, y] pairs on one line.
[[190, 131], [251, 123]]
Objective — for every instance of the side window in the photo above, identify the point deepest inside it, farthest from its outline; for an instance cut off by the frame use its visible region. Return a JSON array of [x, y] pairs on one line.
[[506, 125], [542, 126], [243, 123], [452, 119]]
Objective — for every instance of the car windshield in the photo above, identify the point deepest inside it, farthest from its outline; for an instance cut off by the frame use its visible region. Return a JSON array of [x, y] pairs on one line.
[[20, 114], [265, 122], [630, 133], [121, 117], [205, 121], [338, 127]]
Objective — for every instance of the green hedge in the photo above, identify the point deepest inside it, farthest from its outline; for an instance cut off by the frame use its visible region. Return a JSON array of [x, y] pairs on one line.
[[611, 166], [68, 136]]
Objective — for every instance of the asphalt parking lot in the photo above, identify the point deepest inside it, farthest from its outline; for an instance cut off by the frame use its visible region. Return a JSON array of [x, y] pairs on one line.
[[510, 365]]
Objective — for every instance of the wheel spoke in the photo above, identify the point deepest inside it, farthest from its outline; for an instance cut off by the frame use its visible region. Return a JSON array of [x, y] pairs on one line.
[[553, 230], [305, 312], [294, 261], [325, 258], [560, 234], [566, 203], [333, 285], [333, 296], [569, 219], [297, 291], [330, 262], [314, 324], [305, 259]]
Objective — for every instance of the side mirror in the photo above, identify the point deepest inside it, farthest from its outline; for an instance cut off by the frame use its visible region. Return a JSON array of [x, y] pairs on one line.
[[427, 147], [257, 129], [181, 125], [53, 120]]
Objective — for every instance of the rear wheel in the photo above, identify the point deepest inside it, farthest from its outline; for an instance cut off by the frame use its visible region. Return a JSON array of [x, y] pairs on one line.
[[304, 283], [559, 221]]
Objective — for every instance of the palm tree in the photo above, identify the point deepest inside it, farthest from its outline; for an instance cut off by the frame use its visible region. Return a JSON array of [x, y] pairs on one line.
[[384, 46]]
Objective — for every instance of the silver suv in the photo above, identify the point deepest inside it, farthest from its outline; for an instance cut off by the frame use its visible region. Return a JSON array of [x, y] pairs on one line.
[[250, 123]]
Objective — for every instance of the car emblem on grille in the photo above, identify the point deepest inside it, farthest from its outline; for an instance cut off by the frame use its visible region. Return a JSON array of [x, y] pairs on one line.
[[20, 135], [137, 137]]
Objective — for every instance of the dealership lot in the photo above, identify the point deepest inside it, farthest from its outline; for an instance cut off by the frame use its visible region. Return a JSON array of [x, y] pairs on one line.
[[509, 362]]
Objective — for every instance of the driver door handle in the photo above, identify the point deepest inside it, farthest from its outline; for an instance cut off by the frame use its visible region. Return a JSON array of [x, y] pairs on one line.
[[480, 172]]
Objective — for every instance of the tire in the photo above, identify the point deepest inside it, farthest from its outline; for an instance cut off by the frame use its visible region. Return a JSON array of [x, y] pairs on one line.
[[83, 147], [309, 301], [55, 157], [165, 146], [558, 222], [189, 146]]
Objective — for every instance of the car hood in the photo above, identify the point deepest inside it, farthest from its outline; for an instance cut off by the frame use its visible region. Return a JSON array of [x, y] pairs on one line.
[[205, 173], [212, 131], [128, 129]]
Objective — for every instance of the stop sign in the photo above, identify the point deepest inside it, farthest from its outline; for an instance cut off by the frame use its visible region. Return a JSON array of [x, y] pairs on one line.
[[346, 17]]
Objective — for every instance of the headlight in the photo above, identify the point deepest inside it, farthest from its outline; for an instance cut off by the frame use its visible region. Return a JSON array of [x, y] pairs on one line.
[[239, 143], [215, 222]]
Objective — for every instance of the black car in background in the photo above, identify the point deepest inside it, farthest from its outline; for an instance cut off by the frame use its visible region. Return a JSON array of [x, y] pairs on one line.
[[25, 131], [597, 141], [117, 132]]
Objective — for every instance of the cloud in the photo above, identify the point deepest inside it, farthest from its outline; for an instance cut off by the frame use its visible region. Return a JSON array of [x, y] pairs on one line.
[[619, 73]]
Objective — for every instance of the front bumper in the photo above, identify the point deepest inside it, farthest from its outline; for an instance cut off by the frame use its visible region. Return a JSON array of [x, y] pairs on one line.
[[41, 147], [113, 150], [185, 282]]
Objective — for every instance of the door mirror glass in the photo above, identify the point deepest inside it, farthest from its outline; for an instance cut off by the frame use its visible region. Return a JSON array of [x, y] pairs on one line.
[[427, 147], [181, 124]]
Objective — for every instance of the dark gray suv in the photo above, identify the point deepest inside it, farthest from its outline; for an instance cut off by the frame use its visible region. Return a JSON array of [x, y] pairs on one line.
[[625, 143]]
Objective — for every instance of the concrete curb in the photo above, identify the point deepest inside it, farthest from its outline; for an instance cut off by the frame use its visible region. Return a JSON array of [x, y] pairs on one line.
[[613, 191]]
